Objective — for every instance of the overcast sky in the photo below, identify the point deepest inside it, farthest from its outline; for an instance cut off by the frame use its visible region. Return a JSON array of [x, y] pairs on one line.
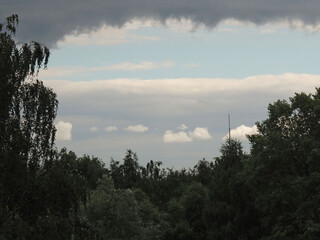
[[161, 77]]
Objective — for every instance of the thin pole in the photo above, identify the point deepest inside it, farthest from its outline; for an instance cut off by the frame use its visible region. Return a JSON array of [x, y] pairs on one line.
[[229, 128]]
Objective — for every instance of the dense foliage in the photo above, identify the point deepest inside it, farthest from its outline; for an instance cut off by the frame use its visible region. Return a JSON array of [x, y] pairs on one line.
[[273, 192]]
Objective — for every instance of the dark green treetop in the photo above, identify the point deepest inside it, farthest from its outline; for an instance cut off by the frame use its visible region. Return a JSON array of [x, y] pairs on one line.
[[27, 131]]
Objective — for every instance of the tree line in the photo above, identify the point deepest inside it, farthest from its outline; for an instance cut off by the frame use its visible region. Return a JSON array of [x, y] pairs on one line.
[[272, 192]]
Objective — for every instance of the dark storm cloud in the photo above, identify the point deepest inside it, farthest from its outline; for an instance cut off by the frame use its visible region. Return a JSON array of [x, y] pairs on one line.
[[48, 21]]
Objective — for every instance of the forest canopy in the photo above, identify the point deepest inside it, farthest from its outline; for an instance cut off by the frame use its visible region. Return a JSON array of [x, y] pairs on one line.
[[272, 192]]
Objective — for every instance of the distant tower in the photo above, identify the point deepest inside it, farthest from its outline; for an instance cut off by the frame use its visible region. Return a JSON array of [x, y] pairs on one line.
[[229, 129]]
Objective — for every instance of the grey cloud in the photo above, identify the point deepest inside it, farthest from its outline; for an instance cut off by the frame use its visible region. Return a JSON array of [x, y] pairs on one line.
[[104, 103], [49, 21], [164, 104]]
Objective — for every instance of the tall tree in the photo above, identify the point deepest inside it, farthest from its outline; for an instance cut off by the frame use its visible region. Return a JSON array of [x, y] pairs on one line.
[[285, 168], [229, 214], [113, 212], [27, 113], [127, 174]]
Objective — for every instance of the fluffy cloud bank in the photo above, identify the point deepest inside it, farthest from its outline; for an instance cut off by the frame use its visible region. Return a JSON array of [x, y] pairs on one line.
[[198, 133], [107, 35], [189, 86], [40, 21], [93, 129], [182, 127], [181, 136], [164, 98], [64, 131], [111, 129], [241, 132], [137, 128], [166, 103]]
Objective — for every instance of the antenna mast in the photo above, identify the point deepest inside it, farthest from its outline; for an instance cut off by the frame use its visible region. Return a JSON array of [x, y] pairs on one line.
[[229, 129]]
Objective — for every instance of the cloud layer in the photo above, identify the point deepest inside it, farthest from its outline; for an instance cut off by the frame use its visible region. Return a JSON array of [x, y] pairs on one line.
[[93, 129], [111, 129], [50, 21], [170, 136], [161, 105], [137, 128], [198, 133], [107, 35], [189, 86], [241, 132], [164, 103]]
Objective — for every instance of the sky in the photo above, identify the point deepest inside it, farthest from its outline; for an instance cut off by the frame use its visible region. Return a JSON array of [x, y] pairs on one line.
[[161, 77]]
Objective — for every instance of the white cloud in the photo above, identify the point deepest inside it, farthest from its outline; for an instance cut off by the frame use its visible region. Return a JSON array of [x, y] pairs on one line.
[[137, 128], [108, 35], [182, 127], [192, 86], [298, 24], [241, 132], [181, 136], [169, 102], [93, 129], [111, 129], [279, 26], [184, 97], [178, 98], [63, 131], [200, 134]]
